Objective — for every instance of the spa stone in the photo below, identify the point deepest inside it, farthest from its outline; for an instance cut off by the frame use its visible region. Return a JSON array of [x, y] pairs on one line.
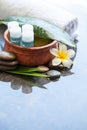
[[7, 56]]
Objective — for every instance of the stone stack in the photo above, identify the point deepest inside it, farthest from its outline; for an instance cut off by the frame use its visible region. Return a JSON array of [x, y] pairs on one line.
[[7, 61]]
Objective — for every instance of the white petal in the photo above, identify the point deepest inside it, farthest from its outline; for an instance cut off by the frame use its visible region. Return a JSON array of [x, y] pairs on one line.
[[67, 63], [56, 61], [54, 51], [62, 47], [71, 53]]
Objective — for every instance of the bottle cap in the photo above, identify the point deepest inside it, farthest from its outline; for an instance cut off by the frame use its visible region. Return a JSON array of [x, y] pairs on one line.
[[12, 24], [27, 36], [15, 32], [28, 27]]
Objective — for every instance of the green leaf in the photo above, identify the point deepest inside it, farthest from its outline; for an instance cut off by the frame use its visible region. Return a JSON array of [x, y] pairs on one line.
[[27, 71], [28, 74], [31, 69], [43, 29]]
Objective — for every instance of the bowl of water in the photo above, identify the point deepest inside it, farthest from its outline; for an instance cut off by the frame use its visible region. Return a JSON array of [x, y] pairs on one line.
[[32, 56]]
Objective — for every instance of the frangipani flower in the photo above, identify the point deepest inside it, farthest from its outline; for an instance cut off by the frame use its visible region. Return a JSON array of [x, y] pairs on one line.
[[62, 56]]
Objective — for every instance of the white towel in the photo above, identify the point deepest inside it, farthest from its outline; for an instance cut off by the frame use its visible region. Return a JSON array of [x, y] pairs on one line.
[[40, 9]]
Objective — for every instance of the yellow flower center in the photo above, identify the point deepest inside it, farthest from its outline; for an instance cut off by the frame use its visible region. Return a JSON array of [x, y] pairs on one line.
[[62, 55]]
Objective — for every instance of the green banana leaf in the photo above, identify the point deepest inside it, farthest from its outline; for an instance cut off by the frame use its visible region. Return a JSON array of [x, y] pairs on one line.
[[43, 29]]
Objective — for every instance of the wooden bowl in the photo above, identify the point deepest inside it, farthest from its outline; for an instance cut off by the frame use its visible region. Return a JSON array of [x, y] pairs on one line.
[[33, 56]]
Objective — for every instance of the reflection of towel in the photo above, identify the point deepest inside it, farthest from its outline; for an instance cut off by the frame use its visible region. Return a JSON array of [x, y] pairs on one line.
[[40, 9]]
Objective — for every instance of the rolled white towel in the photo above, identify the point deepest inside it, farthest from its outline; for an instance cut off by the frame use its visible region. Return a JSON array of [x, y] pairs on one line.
[[39, 9]]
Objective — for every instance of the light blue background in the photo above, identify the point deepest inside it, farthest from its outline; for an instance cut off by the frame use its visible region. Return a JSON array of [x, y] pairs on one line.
[[62, 106]]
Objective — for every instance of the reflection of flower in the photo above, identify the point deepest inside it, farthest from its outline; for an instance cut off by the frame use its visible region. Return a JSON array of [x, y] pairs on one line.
[[62, 55]]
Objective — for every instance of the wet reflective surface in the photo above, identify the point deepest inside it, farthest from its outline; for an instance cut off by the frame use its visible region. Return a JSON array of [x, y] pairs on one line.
[[41, 104]]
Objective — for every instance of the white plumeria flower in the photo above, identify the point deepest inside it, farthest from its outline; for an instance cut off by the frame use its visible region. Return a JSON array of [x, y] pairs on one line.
[[62, 55]]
